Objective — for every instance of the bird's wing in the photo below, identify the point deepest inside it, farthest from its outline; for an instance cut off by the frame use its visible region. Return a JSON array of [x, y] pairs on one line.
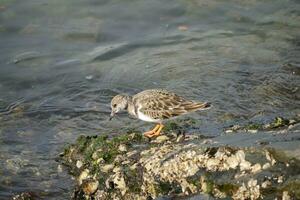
[[161, 104]]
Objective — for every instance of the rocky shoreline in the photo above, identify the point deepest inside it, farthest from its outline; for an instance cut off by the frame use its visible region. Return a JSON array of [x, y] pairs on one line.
[[130, 166]]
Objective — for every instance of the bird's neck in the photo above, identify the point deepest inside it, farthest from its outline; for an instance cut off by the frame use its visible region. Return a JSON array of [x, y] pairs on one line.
[[130, 107]]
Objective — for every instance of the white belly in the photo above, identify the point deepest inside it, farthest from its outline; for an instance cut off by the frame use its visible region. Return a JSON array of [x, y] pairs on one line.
[[146, 118]]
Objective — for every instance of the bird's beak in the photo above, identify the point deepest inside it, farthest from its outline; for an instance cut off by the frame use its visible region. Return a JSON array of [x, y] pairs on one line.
[[112, 114]]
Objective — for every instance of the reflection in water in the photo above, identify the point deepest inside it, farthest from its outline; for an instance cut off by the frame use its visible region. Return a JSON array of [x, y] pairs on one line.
[[62, 61]]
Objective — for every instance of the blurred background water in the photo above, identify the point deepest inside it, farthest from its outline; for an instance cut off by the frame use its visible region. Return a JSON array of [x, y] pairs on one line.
[[62, 61]]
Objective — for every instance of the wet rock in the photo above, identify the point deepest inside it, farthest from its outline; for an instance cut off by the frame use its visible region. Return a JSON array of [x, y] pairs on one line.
[[16, 163], [171, 168], [248, 191], [277, 123]]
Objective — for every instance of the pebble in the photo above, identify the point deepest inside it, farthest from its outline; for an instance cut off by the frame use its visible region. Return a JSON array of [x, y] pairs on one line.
[[117, 169], [266, 184], [122, 148], [252, 131], [89, 186], [161, 139], [107, 168], [84, 175], [59, 168], [89, 77], [180, 138], [212, 164], [256, 168], [285, 195], [280, 179], [79, 164], [240, 155], [120, 183], [232, 162], [266, 166], [245, 165], [270, 158]]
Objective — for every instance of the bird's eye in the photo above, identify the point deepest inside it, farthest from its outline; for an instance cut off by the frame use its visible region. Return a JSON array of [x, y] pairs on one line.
[[115, 105]]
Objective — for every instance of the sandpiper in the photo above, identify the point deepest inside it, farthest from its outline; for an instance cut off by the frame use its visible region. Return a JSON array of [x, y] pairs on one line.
[[155, 105]]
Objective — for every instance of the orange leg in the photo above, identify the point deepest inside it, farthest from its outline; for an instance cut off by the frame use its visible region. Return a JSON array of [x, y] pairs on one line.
[[157, 132], [148, 133]]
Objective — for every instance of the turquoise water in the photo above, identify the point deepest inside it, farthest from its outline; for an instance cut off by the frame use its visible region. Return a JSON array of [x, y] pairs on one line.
[[62, 61]]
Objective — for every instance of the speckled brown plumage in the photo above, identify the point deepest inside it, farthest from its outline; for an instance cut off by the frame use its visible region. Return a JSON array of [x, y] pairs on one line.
[[161, 104]]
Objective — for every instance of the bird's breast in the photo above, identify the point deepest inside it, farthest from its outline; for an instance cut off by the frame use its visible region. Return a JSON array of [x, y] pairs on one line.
[[146, 118]]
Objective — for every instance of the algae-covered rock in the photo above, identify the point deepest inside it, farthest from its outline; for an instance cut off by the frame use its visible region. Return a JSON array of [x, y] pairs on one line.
[[252, 127], [131, 167]]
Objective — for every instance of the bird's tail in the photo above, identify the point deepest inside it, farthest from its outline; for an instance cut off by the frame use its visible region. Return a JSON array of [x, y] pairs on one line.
[[194, 106]]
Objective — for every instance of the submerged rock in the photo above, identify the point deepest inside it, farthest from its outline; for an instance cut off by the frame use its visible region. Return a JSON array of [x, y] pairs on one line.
[[25, 196], [278, 122]]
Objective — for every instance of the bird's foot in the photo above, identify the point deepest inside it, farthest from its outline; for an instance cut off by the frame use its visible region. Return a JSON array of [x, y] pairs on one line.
[[155, 132]]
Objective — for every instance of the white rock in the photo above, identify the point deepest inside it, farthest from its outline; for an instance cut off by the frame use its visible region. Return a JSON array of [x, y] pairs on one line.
[[232, 162], [79, 164], [122, 148], [286, 196], [84, 175], [120, 183], [117, 169], [266, 166], [252, 131], [266, 184], [280, 179], [252, 183], [270, 158], [256, 168], [59, 168], [245, 165], [107, 168], [161, 139], [212, 164], [240, 155]]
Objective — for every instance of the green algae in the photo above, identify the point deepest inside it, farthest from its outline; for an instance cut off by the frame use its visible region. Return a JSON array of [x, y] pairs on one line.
[[179, 125], [293, 187], [91, 149], [253, 126], [133, 178], [228, 188]]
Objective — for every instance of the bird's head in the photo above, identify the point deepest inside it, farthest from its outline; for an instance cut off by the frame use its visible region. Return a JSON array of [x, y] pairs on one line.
[[118, 103]]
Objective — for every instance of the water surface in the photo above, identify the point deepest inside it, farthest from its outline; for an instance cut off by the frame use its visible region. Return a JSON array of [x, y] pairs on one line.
[[62, 61]]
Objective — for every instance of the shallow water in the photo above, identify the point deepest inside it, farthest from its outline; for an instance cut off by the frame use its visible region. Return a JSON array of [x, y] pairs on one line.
[[62, 61]]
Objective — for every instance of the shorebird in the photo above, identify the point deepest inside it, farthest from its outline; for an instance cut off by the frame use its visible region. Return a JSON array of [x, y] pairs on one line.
[[155, 105]]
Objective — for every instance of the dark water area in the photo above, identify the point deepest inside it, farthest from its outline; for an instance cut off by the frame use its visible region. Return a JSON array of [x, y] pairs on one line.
[[62, 61]]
